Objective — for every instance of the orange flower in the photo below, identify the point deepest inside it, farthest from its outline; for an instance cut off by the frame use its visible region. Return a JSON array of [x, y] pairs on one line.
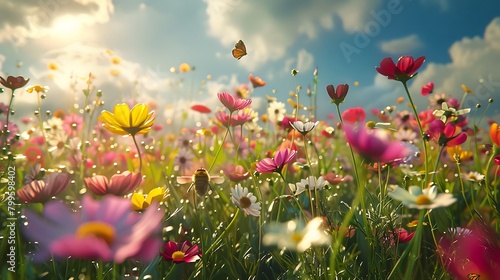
[[184, 67], [256, 81], [495, 134]]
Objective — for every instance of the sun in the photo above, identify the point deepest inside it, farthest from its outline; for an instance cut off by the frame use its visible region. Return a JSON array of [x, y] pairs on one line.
[[66, 25]]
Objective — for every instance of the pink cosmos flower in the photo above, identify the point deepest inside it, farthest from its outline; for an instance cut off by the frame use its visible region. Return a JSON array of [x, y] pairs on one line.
[[282, 157], [375, 145], [107, 230], [73, 124], [180, 252], [444, 134], [119, 184], [338, 95], [403, 71], [43, 190], [232, 103], [427, 88], [240, 118]]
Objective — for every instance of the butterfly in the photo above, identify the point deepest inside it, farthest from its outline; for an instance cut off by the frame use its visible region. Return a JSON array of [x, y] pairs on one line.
[[239, 50], [473, 276]]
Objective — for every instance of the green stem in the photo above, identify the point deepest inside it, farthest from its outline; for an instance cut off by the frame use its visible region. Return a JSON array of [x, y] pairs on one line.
[[218, 151], [219, 238], [138, 152]]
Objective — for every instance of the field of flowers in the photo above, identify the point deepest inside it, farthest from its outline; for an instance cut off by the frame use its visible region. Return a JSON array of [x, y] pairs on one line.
[[94, 194]]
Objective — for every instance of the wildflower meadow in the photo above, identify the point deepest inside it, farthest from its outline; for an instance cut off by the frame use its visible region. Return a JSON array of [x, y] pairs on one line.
[[95, 192]]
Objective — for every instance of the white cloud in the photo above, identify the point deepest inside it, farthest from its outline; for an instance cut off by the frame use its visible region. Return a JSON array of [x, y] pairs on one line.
[[26, 19], [270, 28], [402, 45], [303, 62]]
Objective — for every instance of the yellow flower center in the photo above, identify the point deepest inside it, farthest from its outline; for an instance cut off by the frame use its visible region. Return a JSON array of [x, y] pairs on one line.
[[178, 255], [98, 229], [423, 200], [297, 237], [245, 202]]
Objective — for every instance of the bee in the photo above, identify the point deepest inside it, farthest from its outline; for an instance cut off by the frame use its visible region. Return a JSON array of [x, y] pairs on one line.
[[200, 180]]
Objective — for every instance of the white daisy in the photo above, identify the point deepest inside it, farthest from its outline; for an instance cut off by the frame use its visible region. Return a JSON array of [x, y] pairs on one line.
[[473, 176], [245, 201], [57, 143], [295, 235], [302, 127], [276, 111], [447, 112], [312, 183], [415, 197]]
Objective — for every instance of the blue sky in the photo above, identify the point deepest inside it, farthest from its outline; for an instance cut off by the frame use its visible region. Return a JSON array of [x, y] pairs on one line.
[[460, 39]]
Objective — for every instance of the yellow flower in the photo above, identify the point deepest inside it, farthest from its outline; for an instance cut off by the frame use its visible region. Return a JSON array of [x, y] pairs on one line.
[[116, 60], [139, 202], [124, 121], [184, 67], [53, 66], [456, 152], [38, 89], [114, 72], [466, 89]]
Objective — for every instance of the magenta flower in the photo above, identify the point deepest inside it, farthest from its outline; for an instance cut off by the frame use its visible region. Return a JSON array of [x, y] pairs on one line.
[[43, 190], [240, 118], [427, 88], [403, 71], [119, 184], [232, 103], [375, 145], [444, 134], [180, 252], [269, 165], [235, 173], [339, 94], [107, 230]]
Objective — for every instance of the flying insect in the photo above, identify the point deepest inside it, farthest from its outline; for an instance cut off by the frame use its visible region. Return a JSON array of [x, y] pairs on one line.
[[200, 180]]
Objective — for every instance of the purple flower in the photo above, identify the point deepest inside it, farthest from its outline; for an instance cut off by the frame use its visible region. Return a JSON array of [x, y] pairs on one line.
[[375, 145], [107, 230]]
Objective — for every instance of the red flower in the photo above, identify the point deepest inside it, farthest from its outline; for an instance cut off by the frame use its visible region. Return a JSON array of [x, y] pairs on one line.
[[256, 81], [444, 135], [338, 95], [403, 71], [269, 165], [14, 82], [235, 173], [427, 88], [353, 115], [201, 108], [119, 184], [180, 252]]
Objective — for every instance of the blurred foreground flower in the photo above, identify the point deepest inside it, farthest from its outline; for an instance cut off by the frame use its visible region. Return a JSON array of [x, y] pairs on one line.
[[245, 201], [403, 71], [126, 121], [415, 197], [180, 252], [106, 230], [119, 184], [467, 253], [375, 145], [43, 190], [295, 235]]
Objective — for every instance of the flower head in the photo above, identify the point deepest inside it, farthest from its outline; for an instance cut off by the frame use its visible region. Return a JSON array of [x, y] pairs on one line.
[[296, 236], [495, 134], [119, 184], [231, 103], [43, 190], [375, 145], [415, 197], [427, 88], [126, 121], [245, 200], [14, 82], [337, 95], [403, 71], [444, 134], [180, 252], [38, 89], [353, 115], [106, 230], [235, 173], [449, 113], [282, 157], [256, 81], [141, 202], [302, 127]]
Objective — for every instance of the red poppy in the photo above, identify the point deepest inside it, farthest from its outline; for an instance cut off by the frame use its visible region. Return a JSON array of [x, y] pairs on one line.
[[403, 71], [14, 82], [353, 115]]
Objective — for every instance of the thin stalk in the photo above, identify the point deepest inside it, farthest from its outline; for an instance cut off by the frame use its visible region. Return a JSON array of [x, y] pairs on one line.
[[138, 152]]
